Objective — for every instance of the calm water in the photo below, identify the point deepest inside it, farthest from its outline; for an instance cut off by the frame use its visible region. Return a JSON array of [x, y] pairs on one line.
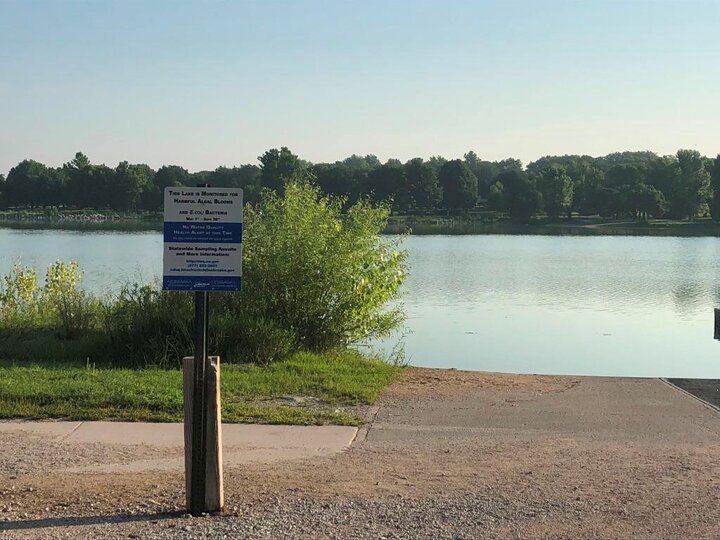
[[636, 306]]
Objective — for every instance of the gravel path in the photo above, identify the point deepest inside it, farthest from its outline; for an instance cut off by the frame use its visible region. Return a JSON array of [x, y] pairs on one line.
[[450, 455]]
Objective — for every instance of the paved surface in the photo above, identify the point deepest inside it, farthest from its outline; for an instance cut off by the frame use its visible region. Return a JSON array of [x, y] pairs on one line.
[[242, 443], [449, 455], [604, 409]]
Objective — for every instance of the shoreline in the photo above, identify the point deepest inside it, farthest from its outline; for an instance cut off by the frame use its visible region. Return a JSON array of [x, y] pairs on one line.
[[415, 226]]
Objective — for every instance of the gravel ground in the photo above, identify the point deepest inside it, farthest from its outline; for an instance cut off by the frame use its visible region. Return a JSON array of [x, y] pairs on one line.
[[450, 455]]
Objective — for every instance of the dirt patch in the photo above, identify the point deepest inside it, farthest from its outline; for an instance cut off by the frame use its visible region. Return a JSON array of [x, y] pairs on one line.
[[420, 382]]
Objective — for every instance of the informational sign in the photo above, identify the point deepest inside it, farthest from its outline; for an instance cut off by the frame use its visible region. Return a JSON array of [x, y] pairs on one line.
[[203, 239]]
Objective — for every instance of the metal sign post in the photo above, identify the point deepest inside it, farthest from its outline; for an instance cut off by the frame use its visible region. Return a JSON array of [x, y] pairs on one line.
[[202, 253], [199, 406]]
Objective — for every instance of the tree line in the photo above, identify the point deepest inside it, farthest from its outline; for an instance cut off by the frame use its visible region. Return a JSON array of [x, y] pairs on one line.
[[624, 184]]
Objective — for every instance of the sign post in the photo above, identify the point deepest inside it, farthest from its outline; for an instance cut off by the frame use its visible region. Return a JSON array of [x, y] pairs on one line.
[[202, 253]]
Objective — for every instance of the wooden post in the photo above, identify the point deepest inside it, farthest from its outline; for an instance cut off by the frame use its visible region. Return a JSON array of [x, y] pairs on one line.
[[214, 491]]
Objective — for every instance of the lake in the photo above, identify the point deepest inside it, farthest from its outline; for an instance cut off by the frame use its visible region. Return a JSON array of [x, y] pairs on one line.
[[602, 305]]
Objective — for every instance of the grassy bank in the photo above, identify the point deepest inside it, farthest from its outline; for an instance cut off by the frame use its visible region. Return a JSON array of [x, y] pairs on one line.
[[273, 394]]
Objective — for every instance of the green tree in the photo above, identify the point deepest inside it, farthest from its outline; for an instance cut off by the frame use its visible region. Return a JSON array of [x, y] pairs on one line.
[[30, 183], [484, 171], [557, 191], [643, 201], [166, 176], [496, 197], [85, 187], [715, 181], [128, 185], [421, 185], [436, 162], [662, 174], [692, 191], [459, 185], [366, 163], [170, 176], [384, 182], [521, 198], [360, 167], [509, 164], [278, 166], [321, 273], [623, 175]]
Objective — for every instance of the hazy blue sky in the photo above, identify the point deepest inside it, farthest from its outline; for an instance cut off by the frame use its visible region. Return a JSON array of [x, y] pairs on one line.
[[208, 83]]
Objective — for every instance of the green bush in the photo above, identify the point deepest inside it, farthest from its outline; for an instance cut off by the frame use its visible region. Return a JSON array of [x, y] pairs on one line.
[[325, 275], [20, 299], [59, 305], [73, 310], [249, 339], [144, 326]]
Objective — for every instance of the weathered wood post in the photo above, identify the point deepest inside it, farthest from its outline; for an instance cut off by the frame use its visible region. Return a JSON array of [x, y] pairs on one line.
[[717, 324], [213, 482]]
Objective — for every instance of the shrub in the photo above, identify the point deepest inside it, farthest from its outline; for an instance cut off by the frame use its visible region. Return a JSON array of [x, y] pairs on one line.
[[73, 309], [20, 298], [249, 339], [146, 327], [322, 274]]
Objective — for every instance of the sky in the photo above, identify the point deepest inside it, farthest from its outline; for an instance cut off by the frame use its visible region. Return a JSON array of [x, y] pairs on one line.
[[203, 84]]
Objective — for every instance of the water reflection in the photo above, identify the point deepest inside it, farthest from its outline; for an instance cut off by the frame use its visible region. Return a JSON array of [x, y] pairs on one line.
[[639, 306]]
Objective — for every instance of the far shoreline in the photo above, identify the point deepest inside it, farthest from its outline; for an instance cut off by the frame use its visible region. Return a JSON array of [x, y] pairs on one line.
[[417, 225]]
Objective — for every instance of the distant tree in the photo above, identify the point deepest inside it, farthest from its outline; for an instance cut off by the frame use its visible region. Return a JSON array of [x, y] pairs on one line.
[[170, 176], [31, 183], [128, 185], [643, 201], [436, 162], [421, 186], [3, 204], [639, 160], [509, 164], [557, 191], [662, 174], [692, 190], [459, 185], [246, 177], [521, 198], [623, 175], [359, 168], [278, 166], [496, 198], [334, 178], [384, 182], [166, 176], [366, 163], [715, 184], [84, 188], [484, 171], [587, 178]]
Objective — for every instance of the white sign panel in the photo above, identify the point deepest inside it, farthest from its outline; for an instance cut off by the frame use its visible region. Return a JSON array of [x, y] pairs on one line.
[[203, 239]]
